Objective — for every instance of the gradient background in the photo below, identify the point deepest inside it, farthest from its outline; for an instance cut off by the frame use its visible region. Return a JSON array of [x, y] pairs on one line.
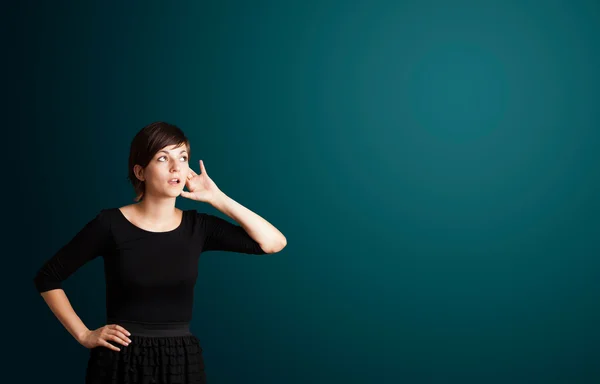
[[433, 165]]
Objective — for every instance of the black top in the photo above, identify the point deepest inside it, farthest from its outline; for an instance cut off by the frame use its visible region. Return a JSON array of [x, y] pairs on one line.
[[150, 276]]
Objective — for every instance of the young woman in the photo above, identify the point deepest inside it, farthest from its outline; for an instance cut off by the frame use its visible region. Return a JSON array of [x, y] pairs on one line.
[[151, 251]]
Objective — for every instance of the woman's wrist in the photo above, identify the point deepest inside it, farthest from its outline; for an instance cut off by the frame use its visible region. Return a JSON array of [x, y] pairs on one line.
[[80, 336]]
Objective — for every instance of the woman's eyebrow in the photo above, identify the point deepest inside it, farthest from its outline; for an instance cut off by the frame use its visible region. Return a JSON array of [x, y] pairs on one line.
[[180, 152]]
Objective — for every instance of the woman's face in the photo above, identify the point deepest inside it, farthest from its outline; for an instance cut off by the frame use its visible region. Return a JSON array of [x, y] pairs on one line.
[[169, 163]]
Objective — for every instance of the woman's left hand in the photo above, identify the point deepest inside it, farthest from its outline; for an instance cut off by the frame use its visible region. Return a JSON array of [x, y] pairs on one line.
[[200, 186]]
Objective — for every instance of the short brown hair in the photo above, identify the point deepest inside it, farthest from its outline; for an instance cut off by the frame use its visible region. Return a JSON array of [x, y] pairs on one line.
[[146, 143]]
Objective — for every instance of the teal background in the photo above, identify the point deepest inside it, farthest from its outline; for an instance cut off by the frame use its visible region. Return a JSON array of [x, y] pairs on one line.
[[432, 164]]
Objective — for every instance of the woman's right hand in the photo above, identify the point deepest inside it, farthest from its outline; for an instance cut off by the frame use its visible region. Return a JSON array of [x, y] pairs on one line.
[[100, 337]]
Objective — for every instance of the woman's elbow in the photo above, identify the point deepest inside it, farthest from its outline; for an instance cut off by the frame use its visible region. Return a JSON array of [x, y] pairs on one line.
[[276, 247]]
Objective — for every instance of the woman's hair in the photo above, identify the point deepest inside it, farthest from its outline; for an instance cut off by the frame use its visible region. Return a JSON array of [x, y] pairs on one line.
[[146, 143]]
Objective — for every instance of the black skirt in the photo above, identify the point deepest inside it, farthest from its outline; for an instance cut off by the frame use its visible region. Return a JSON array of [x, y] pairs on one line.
[[158, 353]]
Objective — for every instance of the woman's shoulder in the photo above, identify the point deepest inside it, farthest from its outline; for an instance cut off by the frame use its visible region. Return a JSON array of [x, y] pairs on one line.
[[107, 215], [109, 211], [118, 212]]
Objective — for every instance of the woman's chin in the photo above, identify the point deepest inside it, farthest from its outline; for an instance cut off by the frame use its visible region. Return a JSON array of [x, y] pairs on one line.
[[171, 192]]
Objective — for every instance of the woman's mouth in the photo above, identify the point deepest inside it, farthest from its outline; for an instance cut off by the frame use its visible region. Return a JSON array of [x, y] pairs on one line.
[[174, 181]]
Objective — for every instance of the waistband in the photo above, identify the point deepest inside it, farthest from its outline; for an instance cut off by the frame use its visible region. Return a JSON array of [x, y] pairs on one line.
[[154, 329]]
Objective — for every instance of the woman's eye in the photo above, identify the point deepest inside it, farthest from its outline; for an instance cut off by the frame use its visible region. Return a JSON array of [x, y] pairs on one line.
[[163, 158]]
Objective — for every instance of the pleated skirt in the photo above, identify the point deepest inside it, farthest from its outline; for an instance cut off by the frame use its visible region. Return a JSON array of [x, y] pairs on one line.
[[158, 354]]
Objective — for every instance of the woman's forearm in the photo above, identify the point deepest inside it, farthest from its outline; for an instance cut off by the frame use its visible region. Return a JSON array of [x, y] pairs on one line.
[[270, 238], [61, 307]]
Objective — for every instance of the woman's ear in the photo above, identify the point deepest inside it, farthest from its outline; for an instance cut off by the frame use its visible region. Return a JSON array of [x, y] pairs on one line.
[[139, 172]]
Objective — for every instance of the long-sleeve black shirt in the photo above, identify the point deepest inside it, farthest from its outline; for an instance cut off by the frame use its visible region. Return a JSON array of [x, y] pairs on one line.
[[150, 276]]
